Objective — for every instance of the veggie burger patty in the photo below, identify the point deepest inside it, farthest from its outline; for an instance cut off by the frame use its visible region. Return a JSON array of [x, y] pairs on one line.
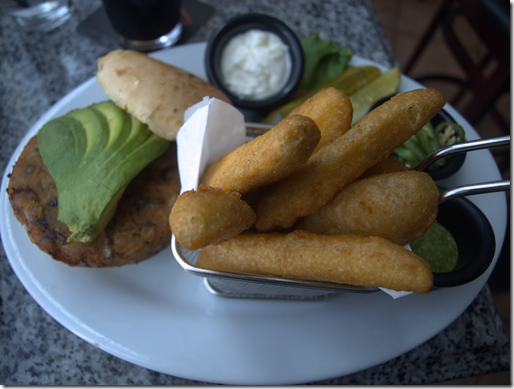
[[138, 230]]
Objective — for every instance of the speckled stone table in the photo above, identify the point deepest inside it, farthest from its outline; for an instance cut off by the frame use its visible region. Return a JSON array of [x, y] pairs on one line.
[[37, 69]]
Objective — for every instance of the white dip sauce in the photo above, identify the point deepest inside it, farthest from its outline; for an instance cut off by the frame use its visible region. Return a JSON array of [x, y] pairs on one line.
[[255, 64]]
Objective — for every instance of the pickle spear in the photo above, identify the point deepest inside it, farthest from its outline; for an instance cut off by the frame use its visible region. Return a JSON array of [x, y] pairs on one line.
[[363, 99], [348, 82]]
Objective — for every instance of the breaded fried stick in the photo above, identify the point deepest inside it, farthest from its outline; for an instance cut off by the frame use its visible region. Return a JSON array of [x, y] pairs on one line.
[[344, 259], [208, 216], [340, 162], [397, 206], [332, 112], [266, 158]]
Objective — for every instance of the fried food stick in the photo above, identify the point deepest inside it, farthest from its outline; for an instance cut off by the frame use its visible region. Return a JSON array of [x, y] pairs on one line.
[[342, 161], [344, 259], [208, 216], [332, 112], [265, 159], [397, 206]]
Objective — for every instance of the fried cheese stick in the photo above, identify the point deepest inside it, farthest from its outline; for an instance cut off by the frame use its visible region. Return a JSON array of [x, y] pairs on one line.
[[398, 206], [344, 259], [332, 112], [342, 161], [266, 158], [208, 216]]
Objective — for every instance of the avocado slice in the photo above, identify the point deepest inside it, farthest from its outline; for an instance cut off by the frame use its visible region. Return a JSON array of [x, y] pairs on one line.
[[92, 154]]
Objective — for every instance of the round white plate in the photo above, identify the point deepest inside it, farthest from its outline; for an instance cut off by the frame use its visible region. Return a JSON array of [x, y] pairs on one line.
[[156, 315]]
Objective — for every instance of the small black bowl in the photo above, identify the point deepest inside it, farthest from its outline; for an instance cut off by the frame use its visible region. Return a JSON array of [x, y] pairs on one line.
[[454, 162], [474, 237], [240, 24]]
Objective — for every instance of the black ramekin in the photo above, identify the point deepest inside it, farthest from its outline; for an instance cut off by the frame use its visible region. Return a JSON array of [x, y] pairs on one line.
[[474, 237], [241, 24]]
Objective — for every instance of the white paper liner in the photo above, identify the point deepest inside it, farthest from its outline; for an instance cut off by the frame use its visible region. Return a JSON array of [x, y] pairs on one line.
[[211, 129]]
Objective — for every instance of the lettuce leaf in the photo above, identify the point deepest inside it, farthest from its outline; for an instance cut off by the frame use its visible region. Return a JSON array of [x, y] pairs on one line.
[[323, 60]]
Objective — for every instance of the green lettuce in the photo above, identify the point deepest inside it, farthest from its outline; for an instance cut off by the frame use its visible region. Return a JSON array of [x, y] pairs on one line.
[[323, 60]]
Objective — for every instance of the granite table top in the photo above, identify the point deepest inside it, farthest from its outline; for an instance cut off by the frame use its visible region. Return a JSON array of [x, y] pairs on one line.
[[38, 68]]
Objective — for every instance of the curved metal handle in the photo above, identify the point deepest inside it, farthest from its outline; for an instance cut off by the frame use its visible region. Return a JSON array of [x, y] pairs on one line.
[[257, 129], [461, 148], [487, 187]]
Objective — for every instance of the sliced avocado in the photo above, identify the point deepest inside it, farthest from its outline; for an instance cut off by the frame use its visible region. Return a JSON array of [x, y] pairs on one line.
[[92, 155]]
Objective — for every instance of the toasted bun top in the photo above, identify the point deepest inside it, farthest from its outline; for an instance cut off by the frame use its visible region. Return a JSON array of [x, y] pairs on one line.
[[156, 93]]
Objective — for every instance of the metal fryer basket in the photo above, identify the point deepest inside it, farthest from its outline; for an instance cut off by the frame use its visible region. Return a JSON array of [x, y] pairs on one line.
[[258, 286]]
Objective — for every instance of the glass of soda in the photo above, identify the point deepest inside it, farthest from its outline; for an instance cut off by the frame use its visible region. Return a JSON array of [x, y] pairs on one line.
[[145, 25]]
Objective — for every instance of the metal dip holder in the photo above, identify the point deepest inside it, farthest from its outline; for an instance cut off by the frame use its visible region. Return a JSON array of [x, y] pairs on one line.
[[255, 286]]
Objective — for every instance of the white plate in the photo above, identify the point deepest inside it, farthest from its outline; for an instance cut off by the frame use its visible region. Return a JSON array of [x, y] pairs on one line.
[[156, 315]]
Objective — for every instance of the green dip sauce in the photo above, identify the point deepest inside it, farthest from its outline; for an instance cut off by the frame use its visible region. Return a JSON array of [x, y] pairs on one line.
[[438, 248]]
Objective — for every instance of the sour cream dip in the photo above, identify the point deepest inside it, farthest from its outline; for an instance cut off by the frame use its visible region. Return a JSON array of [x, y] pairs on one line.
[[255, 64]]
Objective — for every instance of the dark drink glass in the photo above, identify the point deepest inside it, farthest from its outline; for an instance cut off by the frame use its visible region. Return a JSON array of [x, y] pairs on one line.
[[145, 25]]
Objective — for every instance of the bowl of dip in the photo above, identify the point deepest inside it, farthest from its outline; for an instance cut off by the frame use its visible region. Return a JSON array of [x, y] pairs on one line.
[[256, 60], [460, 246]]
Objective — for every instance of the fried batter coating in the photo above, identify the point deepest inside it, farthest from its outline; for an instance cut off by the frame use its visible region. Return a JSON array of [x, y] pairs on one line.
[[344, 259], [387, 165], [398, 206], [266, 158], [209, 216], [342, 161], [332, 112], [138, 230]]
